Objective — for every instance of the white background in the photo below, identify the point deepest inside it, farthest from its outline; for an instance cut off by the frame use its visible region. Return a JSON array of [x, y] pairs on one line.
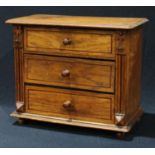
[[73, 151], [77, 2]]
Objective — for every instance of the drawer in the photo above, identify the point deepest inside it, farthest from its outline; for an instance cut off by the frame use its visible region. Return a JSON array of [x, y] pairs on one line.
[[69, 72], [69, 104], [86, 43]]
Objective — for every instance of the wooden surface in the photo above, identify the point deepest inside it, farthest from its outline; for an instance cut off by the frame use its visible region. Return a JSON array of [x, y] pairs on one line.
[[18, 61], [78, 76], [83, 74], [88, 43], [66, 121], [86, 106], [134, 63], [52, 39], [79, 21]]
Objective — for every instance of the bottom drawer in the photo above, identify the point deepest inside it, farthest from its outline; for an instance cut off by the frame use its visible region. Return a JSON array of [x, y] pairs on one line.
[[70, 104]]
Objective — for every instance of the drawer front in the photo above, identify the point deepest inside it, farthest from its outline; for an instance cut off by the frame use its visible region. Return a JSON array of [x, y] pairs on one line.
[[69, 104], [68, 72], [84, 43]]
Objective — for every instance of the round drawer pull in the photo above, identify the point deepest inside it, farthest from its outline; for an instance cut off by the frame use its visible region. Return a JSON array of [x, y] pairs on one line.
[[67, 41], [16, 41], [67, 104], [65, 73]]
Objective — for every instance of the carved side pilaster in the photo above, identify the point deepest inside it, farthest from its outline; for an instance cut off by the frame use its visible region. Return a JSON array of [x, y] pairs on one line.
[[120, 43], [18, 60], [120, 77]]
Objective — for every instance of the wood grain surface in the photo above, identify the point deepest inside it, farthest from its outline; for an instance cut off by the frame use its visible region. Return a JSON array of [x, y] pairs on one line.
[[79, 21], [83, 71], [71, 42], [83, 74], [84, 105]]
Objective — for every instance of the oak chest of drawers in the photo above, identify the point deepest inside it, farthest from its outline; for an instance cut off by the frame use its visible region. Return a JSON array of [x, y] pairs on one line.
[[82, 71]]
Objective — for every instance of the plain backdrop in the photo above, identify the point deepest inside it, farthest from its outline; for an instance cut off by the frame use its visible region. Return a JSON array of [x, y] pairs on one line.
[[35, 134]]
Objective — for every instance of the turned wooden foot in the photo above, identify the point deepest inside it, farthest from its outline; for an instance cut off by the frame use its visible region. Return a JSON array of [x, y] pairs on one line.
[[120, 135], [138, 119], [20, 121]]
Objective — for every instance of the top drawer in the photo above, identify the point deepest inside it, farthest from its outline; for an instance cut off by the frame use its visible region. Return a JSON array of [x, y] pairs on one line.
[[72, 42]]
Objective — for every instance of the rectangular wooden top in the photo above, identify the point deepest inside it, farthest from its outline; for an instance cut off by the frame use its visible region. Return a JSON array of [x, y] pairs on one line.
[[79, 21]]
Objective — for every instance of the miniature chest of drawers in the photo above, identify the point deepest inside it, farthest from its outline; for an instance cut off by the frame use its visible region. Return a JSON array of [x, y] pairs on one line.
[[81, 71]]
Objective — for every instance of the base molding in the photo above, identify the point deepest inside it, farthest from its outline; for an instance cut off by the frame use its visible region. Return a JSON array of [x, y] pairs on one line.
[[102, 126]]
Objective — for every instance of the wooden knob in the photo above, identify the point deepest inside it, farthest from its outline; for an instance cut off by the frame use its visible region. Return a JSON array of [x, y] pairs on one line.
[[67, 104], [16, 41], [65, 73], [121, 33], [67, 41]]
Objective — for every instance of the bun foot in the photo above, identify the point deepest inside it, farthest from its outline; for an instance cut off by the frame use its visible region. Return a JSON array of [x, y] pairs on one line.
[[20, 121], [120, 135]]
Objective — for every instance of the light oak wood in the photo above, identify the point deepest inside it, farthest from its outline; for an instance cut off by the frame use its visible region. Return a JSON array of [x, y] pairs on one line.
[[18, 61], [85, 106], [82, 71], [93, 44], [66, 121], [79, 21], [46, 39], [83, 74]]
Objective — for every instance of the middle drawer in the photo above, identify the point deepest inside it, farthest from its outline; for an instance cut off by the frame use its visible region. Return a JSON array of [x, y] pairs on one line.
[[69, 72]]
